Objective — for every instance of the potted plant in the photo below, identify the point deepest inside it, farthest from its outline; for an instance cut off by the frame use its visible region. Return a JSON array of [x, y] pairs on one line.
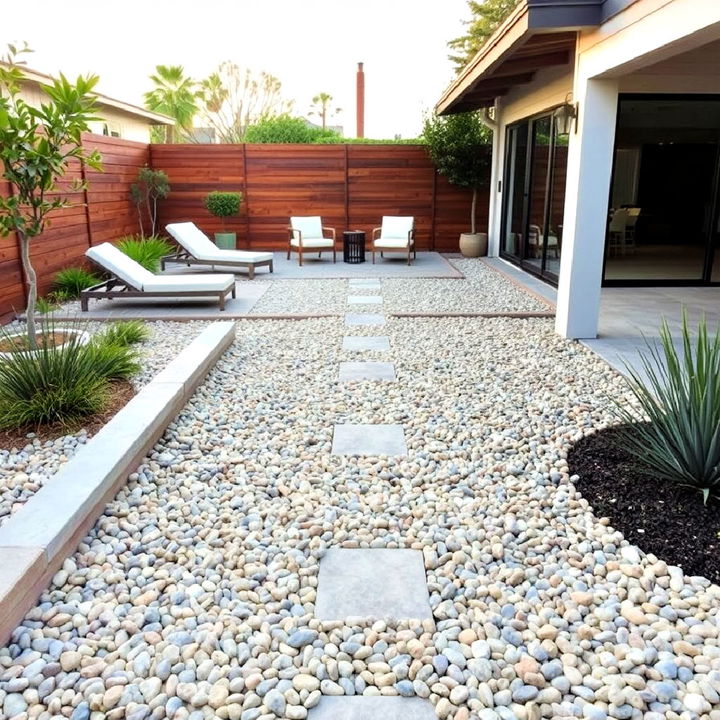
[[224, 205], [458, 146], [36, 146]]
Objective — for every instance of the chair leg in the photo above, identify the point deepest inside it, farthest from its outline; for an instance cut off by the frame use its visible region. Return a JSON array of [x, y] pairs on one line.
[[251, 271], [334, 255], [373, 256], [300, 257], [271, 266], [232, 292], [222, 301], [83, 303], [288, 255]]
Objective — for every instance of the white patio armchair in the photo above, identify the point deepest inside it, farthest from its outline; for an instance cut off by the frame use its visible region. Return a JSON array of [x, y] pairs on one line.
[[308, 235], [396, 234]]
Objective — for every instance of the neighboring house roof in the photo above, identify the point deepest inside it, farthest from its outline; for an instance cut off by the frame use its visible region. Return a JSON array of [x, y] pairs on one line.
[[536, 34], [37, 78]]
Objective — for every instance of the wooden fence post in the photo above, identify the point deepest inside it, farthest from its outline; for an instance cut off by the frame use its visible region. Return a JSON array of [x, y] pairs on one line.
[[245, 196], [347, 191]]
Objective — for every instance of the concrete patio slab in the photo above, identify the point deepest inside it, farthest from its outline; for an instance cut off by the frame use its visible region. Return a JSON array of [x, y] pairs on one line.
[[372, 708], [364, 283], [353, 371], [364, 319], [350, 439], [366, 342], [364, 299], [376, 583]]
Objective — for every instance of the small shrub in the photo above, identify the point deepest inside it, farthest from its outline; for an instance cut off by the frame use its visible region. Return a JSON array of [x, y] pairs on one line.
[[60, 296], [675, 431], [289, 130], [44, 305], [126, 332], [50, 386], [72, 281], [223, 204], [146, 251]]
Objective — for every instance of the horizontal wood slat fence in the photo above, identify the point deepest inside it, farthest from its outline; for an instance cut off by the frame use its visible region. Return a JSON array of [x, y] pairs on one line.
[[350, 186]]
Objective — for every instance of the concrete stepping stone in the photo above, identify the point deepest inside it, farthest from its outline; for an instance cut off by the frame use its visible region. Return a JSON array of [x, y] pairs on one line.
[[364, 299], [351, 371], [350, 439], [376, 583], [361, 707], [364, 283], [366, 342], [364, 319]]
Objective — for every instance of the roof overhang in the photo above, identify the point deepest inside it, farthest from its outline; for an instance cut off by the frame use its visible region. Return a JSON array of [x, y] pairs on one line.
[[537, 34]]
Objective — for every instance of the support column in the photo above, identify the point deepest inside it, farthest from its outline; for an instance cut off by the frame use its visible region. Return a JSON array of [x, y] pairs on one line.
[[589, 170], [496, 189]]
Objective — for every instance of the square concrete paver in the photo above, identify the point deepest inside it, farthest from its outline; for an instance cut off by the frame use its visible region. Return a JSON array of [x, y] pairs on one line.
[[350, 371], [372, 708], [366, 342], [364, 319], [364, 299], [364, 283], [376, 583], [352, 439]]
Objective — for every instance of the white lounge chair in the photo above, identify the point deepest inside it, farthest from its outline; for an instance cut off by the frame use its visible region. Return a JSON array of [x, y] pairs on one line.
[[397, 234], [307, 235], [195, 247], [130, 279]]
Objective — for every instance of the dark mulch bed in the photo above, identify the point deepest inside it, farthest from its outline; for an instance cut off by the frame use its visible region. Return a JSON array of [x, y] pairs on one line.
[[120, 394], [667, 520]]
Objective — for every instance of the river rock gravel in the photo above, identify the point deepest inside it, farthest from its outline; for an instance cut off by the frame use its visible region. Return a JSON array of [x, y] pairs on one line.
[[24, 470], [193, 596]]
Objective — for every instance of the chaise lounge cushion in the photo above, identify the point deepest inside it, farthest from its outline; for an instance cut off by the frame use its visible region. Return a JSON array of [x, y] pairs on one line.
[[313, 242], [189, 236], [136, 276]]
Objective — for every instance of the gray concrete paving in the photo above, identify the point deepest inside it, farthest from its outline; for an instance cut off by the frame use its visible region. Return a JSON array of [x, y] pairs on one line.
[[366, 342], [364, 319], [350, 439], [353, 371], [375, 583], [372, 708], [365, 283], [365, 299]]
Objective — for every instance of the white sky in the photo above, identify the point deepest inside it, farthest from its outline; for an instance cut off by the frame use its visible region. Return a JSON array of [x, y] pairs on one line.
[[310, 45]]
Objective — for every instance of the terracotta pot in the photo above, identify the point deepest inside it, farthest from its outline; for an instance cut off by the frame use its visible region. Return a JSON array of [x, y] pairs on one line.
[[473, 244]]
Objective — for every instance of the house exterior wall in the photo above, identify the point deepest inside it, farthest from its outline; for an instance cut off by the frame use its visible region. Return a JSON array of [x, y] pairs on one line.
[[128, 127]]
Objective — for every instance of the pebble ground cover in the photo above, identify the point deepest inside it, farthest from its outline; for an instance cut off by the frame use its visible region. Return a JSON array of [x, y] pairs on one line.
[[194, 594]]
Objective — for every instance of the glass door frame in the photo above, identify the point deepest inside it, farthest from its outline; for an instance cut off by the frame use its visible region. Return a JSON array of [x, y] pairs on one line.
[[710, 249], [508, 170]]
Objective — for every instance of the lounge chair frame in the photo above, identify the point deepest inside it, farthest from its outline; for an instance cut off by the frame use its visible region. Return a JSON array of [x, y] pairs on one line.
[[299, 249], [383, 249], [181, 255], [116, 288]]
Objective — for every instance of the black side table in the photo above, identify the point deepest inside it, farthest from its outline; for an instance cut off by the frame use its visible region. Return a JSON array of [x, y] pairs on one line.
[[354, 246]]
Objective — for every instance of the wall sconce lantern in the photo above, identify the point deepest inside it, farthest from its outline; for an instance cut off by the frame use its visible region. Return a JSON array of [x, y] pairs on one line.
[[566, 117]]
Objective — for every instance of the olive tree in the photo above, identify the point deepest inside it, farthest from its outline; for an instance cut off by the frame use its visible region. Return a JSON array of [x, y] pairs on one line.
[[36, 147]]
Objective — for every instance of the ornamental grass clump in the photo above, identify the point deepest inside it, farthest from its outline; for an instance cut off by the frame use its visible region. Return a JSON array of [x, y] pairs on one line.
[[146, 251], [126, 332], [674, 430], [61, 385], [70, 282]]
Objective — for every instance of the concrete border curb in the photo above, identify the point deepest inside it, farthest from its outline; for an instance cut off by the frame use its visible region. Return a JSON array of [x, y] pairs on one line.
[[36, 540]]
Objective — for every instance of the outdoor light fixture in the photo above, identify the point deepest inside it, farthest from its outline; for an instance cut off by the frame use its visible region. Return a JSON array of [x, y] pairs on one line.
[[566, 116]]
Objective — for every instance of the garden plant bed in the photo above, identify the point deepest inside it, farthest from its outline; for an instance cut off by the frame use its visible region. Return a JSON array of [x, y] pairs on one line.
[[120, 393], [20, 342], [667, 520]]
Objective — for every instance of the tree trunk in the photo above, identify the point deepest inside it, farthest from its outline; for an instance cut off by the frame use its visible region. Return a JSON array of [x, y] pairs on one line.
[[31, 278], [472, 211], [154, 214]]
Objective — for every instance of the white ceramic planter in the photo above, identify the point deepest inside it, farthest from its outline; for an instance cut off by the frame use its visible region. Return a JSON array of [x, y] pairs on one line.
[[84, 338], [473, 244]]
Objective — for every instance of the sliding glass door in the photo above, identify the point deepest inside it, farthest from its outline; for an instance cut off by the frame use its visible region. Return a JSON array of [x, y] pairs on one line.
[[534, 196]]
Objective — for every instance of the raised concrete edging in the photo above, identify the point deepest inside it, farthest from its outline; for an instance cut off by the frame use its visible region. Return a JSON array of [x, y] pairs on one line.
[[36, 540]]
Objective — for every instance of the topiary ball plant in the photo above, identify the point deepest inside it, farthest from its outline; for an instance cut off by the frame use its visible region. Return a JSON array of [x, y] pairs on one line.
[[224, 205]]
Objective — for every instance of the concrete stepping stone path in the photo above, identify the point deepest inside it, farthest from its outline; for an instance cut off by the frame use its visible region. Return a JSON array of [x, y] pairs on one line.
[[364, 283], [365, 299], [376, 583], [372, 708], [364, 319], [381, 371], [351, 439], [366, 342]]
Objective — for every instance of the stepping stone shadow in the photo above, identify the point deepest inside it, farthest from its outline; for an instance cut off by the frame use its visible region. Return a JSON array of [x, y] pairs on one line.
[[366, 342], [352, 439], [375, 583], [372, 708], [351, 371]]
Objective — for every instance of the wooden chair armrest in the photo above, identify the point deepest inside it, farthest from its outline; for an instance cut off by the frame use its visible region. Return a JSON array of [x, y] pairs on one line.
[[330, 230], [375, 232], [292, 232]]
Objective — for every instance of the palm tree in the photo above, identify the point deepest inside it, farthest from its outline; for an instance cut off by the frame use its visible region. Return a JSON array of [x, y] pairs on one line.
[[321, 105], [174, 95]]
